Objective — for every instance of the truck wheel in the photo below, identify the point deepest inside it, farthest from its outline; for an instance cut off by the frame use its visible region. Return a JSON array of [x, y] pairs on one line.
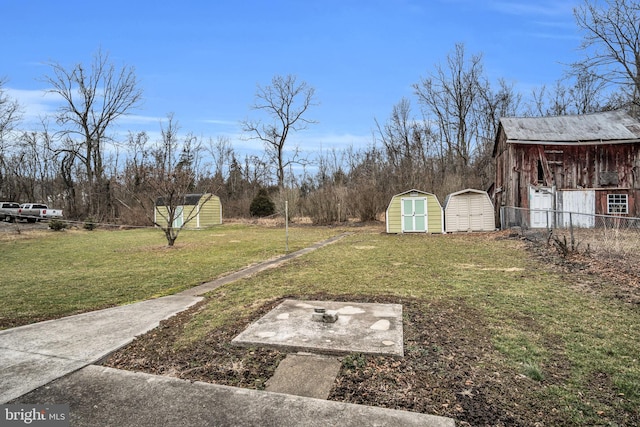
[[32, 220]]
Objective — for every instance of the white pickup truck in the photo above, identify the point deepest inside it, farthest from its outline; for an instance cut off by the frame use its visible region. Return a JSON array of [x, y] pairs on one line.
[[8, 211], [33, 212]]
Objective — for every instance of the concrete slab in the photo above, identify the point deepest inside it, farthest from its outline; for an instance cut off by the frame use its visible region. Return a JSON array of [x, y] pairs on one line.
[[22, 372], [360, 328], [35, 354], [85, 336], [304, 374], [105, 396]]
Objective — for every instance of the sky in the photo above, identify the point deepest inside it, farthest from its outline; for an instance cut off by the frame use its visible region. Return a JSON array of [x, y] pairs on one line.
[[203, 60]]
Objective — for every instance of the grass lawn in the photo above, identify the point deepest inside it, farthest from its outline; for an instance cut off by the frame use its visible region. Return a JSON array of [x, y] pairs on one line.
[[573, 353], [579, 351], [48, 274]]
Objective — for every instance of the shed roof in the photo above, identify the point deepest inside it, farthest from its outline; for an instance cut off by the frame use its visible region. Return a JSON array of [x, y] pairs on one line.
[[414, 191], [610, 127], [188, 200], [466, 190]]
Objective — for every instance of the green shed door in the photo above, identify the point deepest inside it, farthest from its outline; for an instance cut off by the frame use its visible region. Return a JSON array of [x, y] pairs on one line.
[[414, 215], [178, 220]]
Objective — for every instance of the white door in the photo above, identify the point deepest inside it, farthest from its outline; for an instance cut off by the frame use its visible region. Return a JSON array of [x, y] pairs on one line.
[[463, 213], [577, 208], [414, 215], [178, 220], [541, 207]]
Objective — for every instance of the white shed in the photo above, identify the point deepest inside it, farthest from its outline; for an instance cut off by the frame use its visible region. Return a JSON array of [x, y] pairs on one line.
[[469, 210]]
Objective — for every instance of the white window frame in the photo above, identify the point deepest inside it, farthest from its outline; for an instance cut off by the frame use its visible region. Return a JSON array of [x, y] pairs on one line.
[[617, 204]]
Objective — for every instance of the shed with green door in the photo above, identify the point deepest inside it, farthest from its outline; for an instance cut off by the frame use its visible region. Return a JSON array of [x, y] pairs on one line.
[[191, 211], [414, 211]]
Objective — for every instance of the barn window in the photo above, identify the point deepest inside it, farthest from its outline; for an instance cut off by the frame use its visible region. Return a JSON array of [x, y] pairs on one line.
[[617, 204], [540, 172]]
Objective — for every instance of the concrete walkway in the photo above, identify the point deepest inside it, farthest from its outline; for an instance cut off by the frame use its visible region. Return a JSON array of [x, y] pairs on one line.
[[52, 362], [33, 355], [101, 396]]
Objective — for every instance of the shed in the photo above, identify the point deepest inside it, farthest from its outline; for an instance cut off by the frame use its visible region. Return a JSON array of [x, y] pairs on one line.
[[414, 211], [469, 210], [192, 211]]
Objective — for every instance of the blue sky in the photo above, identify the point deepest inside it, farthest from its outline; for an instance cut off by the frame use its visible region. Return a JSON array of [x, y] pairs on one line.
[[202, 60]]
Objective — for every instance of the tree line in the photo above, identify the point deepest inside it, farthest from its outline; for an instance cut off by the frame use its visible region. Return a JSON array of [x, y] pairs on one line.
[[439, 141]]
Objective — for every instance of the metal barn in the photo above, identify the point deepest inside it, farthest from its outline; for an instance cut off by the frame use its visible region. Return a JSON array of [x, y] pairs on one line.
[[469, 210], [414, 211]]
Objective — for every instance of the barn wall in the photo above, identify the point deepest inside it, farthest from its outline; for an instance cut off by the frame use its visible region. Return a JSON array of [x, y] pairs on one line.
[[565, 167], [602, 201]]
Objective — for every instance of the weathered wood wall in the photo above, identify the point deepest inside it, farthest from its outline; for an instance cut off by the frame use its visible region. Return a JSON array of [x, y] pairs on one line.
[[606, 167]]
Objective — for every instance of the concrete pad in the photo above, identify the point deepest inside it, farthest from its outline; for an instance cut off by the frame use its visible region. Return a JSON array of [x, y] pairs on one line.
[[308, 375], [105, 396], [22, 372], [85, 336], [360, 328], [35, 354]]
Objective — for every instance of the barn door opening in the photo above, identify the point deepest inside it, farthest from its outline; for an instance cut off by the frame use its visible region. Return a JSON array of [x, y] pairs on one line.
[[414, 215], [541, 206]]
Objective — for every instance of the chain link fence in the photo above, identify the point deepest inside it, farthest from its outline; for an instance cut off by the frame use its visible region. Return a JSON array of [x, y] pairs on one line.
[[606, 235]]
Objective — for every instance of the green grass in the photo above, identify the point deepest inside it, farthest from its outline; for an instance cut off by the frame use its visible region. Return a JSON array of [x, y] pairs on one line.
[[539, 323], [537, 320], [52, 274]]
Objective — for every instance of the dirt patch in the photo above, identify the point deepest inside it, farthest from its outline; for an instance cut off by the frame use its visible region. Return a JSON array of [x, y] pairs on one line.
[[450, 366], [591, 271]]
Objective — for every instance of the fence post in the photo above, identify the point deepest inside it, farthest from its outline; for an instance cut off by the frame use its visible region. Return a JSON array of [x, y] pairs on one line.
[[573, 241], [286, 225], [547, 214]]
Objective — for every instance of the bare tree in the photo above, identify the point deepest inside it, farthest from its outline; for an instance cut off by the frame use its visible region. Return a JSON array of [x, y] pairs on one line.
[[586, 94], [9, 112], [611, 42], [93, 100], [450, 97], [164, 180], [286, 101], [9, 116]]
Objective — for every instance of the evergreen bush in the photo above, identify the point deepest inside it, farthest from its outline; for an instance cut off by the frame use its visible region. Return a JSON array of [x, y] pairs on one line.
[[261, 205]]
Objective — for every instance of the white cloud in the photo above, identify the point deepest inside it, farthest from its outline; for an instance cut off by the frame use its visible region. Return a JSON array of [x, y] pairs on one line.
[[136, 119], [221, 122], [527, 8], [34, 104]]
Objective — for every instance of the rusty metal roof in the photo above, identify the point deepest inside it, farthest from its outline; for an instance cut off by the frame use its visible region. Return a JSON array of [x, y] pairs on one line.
[[611, 127]]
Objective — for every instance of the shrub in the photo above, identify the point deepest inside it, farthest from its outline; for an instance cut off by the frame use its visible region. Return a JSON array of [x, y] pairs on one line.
[[89, 224], [57, 225], [261, 205]]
